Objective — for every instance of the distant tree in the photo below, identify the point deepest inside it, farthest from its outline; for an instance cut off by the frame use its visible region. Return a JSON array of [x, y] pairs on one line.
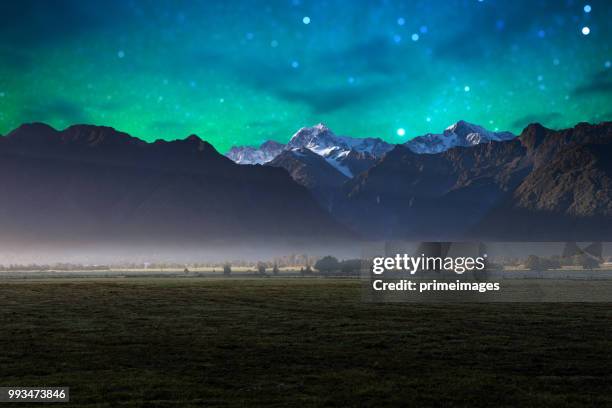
[[302, 272], [590, 262], [542, 264], [533, 263], [227, 269], [552, 263], [586, 261], [327, 264], [275, 270], [186, 270], [350, 266], [261, 268], [308, 270]]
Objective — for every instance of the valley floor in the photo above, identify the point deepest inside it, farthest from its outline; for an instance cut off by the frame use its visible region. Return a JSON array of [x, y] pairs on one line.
[[295, 342]]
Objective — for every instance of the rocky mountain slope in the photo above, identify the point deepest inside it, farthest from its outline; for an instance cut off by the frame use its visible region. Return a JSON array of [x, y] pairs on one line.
[[568, 193], [544, 185], [313, 172]]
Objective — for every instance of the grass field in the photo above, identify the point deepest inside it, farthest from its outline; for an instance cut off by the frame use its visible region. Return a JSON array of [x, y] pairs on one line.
[[295, 342]]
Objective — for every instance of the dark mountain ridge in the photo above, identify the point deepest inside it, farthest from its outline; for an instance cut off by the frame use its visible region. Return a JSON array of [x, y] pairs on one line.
[[313, 172], [92, 183], [556, 182]]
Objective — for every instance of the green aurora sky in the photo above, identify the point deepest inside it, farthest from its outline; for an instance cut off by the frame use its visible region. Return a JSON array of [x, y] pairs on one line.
[[242, 72]]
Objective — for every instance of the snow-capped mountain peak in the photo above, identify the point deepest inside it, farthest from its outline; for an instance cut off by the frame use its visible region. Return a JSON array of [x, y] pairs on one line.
[[461, 133], [342, 152], [351, 155], [463, 127], [477, 133], [321, 140], [347, 154], [255, 155], [316, 138]]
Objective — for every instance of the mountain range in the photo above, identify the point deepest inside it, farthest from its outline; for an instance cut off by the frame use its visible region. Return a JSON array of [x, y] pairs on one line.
[[465, 183], [461, 133], [347, 155], [542, 185], [95, 183], [344, 153]]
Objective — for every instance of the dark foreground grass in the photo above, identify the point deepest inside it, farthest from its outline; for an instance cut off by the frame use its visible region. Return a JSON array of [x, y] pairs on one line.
[[195, 342]]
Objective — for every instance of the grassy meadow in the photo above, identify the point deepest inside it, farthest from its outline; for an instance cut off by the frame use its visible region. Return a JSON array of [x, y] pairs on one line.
[[196, 342]]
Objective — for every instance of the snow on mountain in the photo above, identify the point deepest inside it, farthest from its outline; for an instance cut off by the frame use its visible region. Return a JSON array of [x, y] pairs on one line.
[[344, 153], [321, 140], [255, 155], [351, 156], [459, 134]]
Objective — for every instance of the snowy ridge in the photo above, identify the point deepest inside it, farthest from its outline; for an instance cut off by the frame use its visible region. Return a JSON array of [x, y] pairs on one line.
[[255, 155], [346, 153], [459, 134], [336, 149], [335, 161], [319, 139]]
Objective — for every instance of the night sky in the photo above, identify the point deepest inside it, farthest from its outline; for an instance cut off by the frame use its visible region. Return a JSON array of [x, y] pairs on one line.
[[241, 72]]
